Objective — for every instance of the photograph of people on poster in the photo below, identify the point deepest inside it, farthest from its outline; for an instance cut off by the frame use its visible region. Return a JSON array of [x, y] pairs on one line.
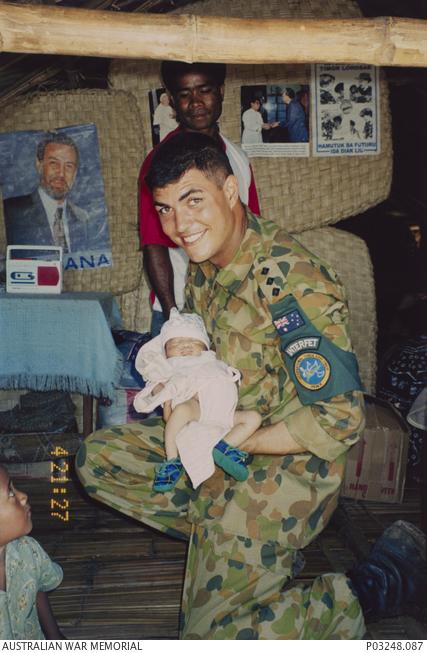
[[53, 193], [275, 119], [162, 115], [345, 109]]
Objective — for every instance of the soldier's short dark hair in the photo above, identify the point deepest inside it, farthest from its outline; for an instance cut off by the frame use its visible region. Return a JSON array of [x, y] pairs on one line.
[[290, 92], [55, 137], [171, 71], [186, 151]]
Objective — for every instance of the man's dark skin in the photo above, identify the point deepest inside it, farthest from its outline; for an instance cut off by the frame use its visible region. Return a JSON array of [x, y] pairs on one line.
[[197, 100]]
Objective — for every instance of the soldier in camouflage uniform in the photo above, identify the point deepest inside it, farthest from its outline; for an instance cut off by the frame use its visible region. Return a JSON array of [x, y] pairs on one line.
[[279, 315]]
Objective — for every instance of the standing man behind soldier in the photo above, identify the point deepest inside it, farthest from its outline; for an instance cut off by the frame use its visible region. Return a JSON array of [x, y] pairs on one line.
[[196, 93]]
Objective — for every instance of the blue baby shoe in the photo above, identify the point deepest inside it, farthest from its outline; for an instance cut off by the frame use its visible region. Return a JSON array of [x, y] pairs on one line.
[[167, 475], [232, 460]]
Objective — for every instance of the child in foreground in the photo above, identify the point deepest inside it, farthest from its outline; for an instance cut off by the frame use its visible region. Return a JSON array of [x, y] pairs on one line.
[[26, 571], [199, 398]]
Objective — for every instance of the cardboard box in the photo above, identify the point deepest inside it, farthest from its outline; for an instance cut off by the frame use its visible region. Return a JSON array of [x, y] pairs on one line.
[[376, 465]]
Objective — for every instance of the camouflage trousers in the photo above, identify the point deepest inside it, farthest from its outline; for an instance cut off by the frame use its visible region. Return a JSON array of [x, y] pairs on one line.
[[231, 590]]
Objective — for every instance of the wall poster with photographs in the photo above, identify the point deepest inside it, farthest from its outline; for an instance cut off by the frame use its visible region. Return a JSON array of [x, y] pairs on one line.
[[162, 115], [53, 193], [346, 117], [275, 119]]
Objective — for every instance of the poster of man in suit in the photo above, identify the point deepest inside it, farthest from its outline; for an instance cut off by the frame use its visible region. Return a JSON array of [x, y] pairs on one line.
[[53, 193]]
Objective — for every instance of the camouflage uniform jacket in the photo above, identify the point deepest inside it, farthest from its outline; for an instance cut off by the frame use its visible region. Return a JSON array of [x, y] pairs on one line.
[[287, 500]]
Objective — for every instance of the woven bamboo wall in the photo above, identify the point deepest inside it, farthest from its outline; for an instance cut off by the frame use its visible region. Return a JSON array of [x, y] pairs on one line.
[[116, 116], [334, 246], [298, 193]]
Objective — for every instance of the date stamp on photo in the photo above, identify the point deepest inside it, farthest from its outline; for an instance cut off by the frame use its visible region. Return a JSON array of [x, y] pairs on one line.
[[59, 477]]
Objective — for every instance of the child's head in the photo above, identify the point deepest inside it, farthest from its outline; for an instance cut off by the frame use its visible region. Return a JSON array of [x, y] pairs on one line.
[[184, 335], [15, 512]]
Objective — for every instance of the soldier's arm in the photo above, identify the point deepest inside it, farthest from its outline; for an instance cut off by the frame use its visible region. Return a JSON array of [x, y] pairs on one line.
[[326, 429], [275, 439], [312, 324], [328, 423]]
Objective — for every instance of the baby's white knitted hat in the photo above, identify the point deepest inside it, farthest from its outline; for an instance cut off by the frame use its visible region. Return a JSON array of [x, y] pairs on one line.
[[184, 325]]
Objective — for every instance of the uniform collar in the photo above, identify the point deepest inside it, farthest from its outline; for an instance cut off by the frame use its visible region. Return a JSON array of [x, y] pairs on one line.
[[238, 269]]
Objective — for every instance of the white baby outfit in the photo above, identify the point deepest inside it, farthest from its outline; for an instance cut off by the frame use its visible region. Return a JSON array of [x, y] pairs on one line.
[[210, 380]]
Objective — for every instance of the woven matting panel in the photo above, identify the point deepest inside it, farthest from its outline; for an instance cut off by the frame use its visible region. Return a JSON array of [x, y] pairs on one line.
[[298, 193], [115, 114], [349, 256], [135, 308]]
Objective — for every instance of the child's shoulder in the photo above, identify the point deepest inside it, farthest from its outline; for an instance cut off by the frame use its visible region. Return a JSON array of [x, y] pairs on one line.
[[27, 540], [29, 558], [27, 545]]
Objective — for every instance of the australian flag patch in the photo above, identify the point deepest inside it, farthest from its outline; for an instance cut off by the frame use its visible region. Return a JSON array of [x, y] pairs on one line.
[[289, 322]]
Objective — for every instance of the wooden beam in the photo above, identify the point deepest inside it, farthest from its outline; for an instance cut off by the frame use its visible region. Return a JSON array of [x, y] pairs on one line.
[[40, 29]]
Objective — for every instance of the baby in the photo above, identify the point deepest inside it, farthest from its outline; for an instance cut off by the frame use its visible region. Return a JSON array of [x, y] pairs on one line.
[[199, 397], [26, 571]]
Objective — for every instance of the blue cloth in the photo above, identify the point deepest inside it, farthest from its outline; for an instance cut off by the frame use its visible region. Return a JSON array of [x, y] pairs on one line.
[[59, 342], [129, 343]]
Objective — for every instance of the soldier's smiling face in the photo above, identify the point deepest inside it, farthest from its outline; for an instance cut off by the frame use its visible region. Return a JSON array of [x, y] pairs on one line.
[[197, 214]]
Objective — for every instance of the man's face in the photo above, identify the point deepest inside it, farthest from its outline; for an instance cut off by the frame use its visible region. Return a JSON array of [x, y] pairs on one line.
[[57, 169], [198, 216], [198, 102]]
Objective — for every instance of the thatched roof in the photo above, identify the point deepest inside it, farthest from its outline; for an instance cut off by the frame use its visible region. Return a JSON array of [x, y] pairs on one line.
[[27, 73], [20, 74]]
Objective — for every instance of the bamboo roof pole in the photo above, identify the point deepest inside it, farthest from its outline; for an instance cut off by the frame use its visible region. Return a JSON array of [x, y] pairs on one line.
[[40, 29]]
